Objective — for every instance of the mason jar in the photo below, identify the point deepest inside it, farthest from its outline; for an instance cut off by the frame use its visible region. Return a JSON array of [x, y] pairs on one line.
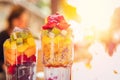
[[20, 55], [58, 56]]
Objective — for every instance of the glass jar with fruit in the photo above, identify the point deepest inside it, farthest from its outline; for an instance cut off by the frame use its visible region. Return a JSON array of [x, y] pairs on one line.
[[20, 55], [57, 48]]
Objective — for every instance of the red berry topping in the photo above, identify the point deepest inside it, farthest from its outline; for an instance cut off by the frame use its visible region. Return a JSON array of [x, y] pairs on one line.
[[55, 17], [56, 20], [47, 26], [63, 25]]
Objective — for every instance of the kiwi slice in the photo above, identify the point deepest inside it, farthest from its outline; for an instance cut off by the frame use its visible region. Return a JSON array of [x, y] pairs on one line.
[[19, 41], [13, 36], [45, 32], [56, 31], [24, 35]]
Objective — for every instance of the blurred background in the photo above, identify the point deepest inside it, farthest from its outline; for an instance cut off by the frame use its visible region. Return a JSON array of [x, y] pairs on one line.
[[96, 30]]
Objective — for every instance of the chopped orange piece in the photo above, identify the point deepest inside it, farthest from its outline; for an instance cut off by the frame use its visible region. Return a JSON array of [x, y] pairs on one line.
[[30, 51]]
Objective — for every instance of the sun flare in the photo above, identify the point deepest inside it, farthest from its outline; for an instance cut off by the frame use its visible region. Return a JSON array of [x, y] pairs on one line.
[[95, 12]]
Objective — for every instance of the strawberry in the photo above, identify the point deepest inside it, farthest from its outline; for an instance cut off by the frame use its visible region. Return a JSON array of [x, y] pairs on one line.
[[57, 21], [59, 18], [50, 18], [46, 27], [52, 23], [55, 17]]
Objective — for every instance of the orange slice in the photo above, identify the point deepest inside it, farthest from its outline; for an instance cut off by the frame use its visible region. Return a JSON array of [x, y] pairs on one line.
[[11, 59]]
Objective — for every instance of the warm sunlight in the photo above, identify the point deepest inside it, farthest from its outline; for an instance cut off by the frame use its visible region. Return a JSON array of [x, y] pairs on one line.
[[95, 12]]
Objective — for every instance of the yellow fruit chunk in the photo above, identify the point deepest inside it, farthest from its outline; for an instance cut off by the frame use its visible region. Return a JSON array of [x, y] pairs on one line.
[[13, 45], [45, 39], [31, 41], [58, 39], [7, 44], [30, 51], [67, 41], [22, 48]]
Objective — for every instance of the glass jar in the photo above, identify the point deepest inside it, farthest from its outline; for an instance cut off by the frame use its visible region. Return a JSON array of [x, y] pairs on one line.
[[20, 55], [57, 54]]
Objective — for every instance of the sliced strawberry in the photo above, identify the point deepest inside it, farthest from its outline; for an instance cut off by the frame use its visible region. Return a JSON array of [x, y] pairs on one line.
[[55, 17], [59, 18], [56, 21], [48, 26], [52, 23], [45, 27], [52, 17]]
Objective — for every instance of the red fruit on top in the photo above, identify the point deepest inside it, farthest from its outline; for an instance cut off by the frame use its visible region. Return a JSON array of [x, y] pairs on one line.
[[11, 69], [63, 25], [50, 18], [55, 17], [60, 17], [47, 27], [56, 21], [52, 23]]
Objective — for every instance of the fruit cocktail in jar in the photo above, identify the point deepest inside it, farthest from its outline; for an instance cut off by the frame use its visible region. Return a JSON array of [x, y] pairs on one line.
[[20, 55], [57, 48]]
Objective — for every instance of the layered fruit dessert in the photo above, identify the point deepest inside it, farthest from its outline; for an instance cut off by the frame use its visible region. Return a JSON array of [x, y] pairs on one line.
[[57, 46], [20, 58]]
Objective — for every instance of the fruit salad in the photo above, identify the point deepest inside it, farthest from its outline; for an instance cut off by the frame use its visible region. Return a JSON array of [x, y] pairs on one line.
[[19, 52], [57, 44]]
